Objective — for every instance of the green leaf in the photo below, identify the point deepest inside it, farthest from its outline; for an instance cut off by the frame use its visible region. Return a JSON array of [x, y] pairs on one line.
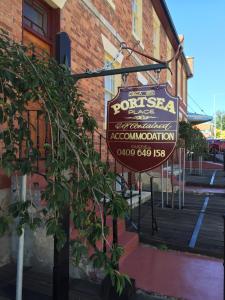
[[99, 259], [78, 251], [35, 223], [4, 225], [65, 134], [19, 230], [1, 115]]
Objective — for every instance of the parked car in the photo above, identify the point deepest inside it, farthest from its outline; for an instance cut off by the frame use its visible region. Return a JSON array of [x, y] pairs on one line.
[[216, 145]]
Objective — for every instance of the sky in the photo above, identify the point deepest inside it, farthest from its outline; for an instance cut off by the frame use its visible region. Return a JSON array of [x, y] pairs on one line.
[[202, 22]]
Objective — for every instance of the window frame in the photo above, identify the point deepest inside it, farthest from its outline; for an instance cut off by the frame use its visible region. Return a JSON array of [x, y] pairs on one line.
[[169, 52], [111, 4], [52, 24], [137, 31], [179, 79], [184, 85], [156, 34], [116, 82]]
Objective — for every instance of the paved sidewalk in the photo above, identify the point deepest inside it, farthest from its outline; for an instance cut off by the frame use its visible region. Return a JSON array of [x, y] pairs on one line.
[[176, 274], [181, 274]]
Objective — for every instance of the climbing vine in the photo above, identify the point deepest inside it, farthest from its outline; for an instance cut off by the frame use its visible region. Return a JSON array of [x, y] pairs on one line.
[[76, 178]]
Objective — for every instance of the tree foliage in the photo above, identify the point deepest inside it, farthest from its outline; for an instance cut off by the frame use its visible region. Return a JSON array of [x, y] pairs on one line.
[[76, 177], [194, 140], [220, 124]]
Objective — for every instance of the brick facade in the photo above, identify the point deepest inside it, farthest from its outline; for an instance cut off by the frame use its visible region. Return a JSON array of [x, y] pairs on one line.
[[86, 23], [11, 18]]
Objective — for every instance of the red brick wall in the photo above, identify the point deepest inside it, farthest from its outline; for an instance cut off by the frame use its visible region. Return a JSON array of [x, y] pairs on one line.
[[11, 17], [85, 30], [11, 21]]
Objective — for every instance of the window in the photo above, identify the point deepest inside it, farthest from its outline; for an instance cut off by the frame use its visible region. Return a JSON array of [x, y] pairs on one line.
[[156, 35], [179, 79], [35, 17], [111, 82], [40, 25], [137, 19], [169, 54], [184, 87]]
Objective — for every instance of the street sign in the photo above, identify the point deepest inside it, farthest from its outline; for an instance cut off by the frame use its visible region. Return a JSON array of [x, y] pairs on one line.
[[142, 123]]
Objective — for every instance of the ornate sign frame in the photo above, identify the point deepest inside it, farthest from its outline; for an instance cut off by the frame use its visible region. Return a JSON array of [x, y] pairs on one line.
[[142, 125]]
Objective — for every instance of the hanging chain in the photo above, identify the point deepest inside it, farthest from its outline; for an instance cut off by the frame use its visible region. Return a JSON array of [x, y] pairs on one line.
[[108, 65], [157, 76], [123, 46], [124, 78], [159, 61]]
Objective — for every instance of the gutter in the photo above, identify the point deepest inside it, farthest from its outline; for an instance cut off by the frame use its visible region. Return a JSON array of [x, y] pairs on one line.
[[172, 26]]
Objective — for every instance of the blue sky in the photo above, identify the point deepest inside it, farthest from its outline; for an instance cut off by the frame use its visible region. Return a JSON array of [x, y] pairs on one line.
[[203, 24]]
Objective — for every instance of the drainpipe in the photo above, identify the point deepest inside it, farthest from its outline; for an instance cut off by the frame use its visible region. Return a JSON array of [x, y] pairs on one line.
[[19, 275]]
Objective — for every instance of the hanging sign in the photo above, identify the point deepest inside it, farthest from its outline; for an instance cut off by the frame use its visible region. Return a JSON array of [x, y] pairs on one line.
[[142, 123]]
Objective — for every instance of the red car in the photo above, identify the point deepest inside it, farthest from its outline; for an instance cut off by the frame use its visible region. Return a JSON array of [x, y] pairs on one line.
[[216, 145]]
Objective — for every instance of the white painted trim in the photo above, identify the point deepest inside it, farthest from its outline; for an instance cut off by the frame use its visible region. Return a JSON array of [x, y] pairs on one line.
[[111, 49], [89, 5], [138, 39], [182, 111], [56, 3], [169, 83], [112, 4], [141, 78]]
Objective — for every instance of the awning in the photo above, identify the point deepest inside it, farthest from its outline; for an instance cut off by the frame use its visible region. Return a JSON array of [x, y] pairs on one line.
[[195, 118]]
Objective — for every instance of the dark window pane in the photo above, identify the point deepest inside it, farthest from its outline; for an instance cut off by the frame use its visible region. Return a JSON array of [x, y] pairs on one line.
[[35, 17]]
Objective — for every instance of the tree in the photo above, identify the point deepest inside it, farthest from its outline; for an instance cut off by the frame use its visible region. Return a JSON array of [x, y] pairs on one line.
[[220, 124], [194, 140], [76, 177]]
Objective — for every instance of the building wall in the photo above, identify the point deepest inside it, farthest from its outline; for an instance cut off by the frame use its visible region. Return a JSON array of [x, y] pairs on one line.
[[96, 27], [86, 21], [116, 26], [206, 129], [11, 18]]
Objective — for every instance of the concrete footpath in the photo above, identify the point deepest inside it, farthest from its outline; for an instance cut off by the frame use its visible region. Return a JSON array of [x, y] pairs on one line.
[[172, 273], [181, 274]]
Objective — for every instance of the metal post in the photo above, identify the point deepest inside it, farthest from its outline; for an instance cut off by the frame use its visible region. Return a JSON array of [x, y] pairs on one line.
[[114, 221], [19, 276], [190, 162], [162, 186], [167, 196], [224, 160], [184, 170], [139, 204], [115, 238], [104, 216], [171, 177], [61, 258], [154, 223], [201, 164], [131, 203], [224, 257], [179, 178]]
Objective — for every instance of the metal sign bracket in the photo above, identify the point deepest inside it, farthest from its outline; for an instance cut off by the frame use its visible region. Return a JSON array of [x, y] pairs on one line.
[[144, 68]]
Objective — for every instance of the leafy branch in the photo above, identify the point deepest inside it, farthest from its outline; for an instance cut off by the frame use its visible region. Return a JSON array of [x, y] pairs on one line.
[[76, 177]]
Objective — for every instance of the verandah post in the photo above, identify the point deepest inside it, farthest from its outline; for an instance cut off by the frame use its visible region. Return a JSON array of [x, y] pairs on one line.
[[61, 258]]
